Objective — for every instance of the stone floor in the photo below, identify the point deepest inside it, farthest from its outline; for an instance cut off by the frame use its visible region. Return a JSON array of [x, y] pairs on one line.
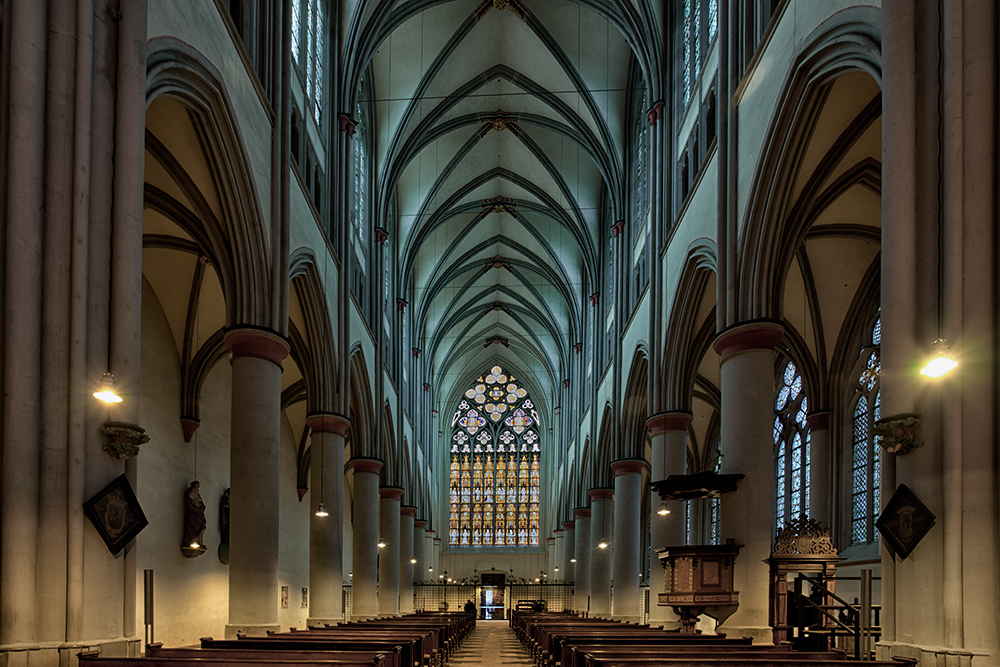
[[492, 643]]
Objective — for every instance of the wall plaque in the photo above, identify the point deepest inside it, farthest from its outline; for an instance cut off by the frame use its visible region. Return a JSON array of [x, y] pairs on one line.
[[904, 522]]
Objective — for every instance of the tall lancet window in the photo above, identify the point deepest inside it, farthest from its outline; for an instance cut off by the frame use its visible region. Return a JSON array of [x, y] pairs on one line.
[[791, 447], [864, 453], [308, 26], [360, 176], [495, 465]]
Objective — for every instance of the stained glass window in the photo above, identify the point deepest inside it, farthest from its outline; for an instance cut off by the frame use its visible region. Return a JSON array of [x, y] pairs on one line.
[[791, 447], [360, 177], [700, 23], [308, 26], [864, 453], [495, 474]]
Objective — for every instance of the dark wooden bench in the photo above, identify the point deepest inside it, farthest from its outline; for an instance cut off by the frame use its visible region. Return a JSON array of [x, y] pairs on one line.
[[408, 649], [723, 661], [94, 659], [246, 656], [418, 647]]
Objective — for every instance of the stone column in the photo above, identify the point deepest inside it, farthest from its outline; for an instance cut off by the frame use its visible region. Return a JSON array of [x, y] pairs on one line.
[[820, 468], [326, 533], [627, 518], [430, 572], [557, 555], [668, 433], [747, 357], [601, 532], [388, 561], [407, 561], [437, 554], [364, 585], [550, 552], [581, 590], [419, 551], [569, 552], [254, 466]]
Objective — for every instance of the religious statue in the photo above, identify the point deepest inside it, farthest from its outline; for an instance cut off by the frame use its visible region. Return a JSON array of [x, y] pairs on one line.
[[224, 528], [194, 518]]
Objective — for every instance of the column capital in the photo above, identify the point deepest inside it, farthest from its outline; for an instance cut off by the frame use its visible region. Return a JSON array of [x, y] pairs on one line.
[[759, 335], [674, 420], [408, 510], [581, 513], [550, 540], [601, 493], [626, 466], [438, 540], [366, 465], [655, 112], [558, 532], [429, 532], [328, 422], [391, 492], [819, 421], [568, 525], [420, 523], [346, 124], [247, 341]]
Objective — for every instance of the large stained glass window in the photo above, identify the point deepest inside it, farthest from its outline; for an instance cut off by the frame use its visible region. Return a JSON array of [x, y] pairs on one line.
[[494, 482], [791, 447], [864, 454]]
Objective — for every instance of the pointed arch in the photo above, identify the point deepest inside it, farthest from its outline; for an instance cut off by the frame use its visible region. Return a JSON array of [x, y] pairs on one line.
[[238, 239]]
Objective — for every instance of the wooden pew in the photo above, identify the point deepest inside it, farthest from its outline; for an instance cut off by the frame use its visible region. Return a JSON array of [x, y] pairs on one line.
[[409, 655], [420, 647], [94, 659], [247, 656]]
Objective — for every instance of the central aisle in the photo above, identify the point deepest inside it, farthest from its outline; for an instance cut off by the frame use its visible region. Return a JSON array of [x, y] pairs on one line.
[[492, 643]]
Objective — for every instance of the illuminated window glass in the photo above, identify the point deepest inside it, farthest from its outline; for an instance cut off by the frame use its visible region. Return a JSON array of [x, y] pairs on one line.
[[791, 447], [864, 453], [360, 177], [308, 26], [495, 473]]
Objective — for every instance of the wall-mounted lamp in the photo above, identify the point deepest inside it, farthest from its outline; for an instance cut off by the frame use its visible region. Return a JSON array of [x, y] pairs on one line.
[[664, 510], [321, 510], [572, 560], [107, 390], [941, 362], [603, 544], [413, 561], [381, 543]]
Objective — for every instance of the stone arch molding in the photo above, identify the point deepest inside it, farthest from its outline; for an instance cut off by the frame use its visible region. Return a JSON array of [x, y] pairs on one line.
[[177, 70], [850, 40]]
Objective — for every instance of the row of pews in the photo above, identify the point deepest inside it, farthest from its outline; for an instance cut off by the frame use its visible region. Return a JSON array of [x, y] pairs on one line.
[[567, 640], [415, 640]]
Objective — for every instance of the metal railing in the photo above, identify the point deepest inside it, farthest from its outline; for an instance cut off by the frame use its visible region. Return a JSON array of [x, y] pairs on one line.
[[859, 620]]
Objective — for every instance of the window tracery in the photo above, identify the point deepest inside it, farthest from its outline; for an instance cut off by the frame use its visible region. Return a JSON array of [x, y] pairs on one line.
[[495, 465], [791, 447], [864, 454]]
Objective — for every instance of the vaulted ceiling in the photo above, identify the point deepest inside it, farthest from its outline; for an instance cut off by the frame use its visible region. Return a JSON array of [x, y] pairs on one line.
[[499, 135]]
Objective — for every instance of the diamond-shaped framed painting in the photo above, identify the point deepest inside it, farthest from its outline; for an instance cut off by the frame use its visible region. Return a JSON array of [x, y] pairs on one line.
[[904, 522], [116, 514]]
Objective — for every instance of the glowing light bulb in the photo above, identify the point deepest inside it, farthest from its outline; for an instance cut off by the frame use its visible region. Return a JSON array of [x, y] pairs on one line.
[[941, 362], [107, 391], [321, 510]]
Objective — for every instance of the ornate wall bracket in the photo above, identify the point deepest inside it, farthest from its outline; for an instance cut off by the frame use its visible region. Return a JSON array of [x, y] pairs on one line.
[[123, 439], [899, 434]]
